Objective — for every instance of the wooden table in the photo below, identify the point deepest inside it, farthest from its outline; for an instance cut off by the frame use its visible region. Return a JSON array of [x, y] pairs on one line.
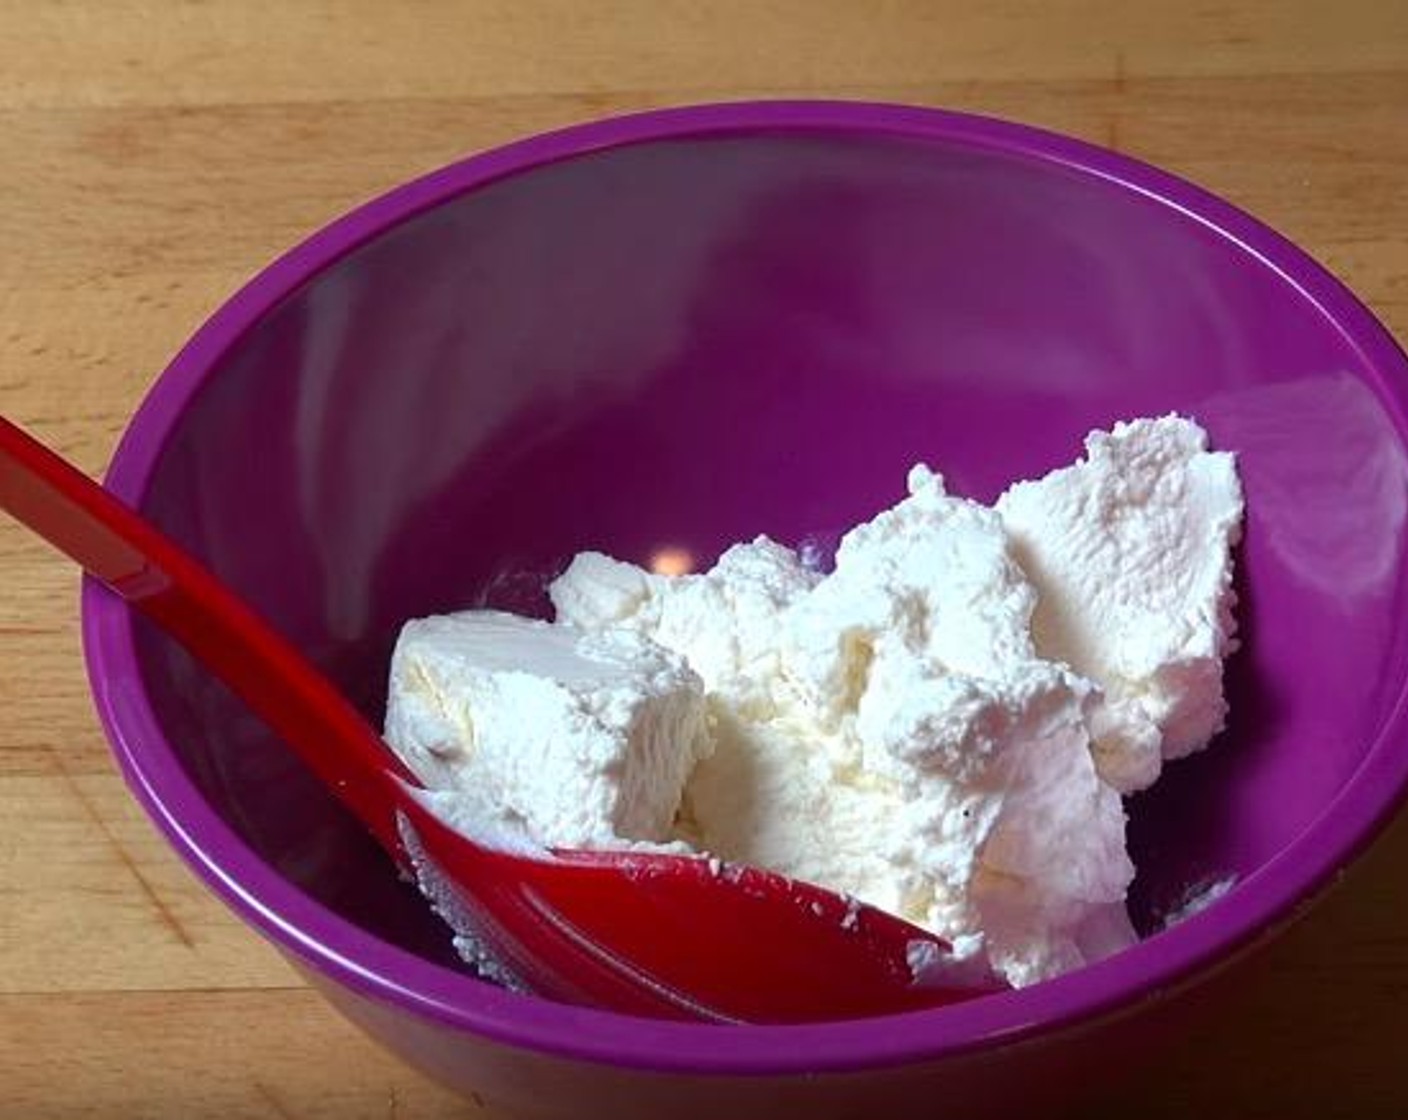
[[155, 154]]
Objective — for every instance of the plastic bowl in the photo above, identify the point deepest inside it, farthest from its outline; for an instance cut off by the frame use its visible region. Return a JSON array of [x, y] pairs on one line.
[[687, 327]]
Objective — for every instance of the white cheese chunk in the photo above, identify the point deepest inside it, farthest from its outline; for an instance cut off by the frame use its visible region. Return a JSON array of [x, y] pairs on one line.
[[1130, 551], [723, 621], [532, 732], [889, 730], [924, 758]]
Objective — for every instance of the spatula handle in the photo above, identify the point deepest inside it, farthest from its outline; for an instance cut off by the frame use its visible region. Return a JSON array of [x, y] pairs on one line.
[[155, 575]]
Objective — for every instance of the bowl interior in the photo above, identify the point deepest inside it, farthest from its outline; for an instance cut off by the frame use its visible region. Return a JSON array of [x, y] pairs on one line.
[[688, 342]]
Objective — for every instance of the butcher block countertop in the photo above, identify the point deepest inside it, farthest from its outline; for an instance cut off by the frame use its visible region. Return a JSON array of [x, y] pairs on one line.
[[154, 155]]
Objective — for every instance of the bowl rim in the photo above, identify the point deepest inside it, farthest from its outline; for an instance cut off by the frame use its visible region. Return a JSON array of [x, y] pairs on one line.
[[349, 956]]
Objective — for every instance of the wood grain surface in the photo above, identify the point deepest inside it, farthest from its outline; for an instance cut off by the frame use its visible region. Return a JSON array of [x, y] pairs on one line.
[[153, 155]]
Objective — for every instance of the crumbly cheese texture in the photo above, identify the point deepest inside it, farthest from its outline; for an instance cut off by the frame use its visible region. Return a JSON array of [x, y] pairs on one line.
[[941, 726], [722, 621], [913, 749], [1129, 551], [528, 733]]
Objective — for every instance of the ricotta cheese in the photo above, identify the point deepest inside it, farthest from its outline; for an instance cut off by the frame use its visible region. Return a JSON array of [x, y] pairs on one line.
[[527, 733], [1129, 551], [913, 749], [941, 726], [723, 621]]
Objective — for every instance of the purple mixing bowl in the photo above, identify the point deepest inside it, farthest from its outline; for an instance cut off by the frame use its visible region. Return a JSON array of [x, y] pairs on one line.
[[691, 326]]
